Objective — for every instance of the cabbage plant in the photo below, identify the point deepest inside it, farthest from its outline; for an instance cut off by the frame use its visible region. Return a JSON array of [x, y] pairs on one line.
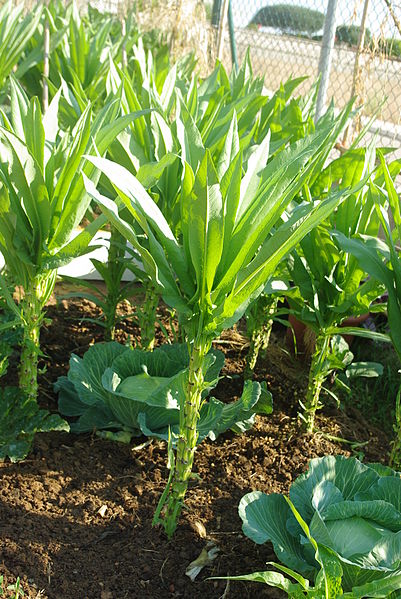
[[134, 392], [340, 529]]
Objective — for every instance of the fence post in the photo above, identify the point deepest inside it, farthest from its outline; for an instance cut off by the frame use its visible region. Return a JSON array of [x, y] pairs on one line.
[[326, 55], [222, 28], [234, 58], [216, 10]]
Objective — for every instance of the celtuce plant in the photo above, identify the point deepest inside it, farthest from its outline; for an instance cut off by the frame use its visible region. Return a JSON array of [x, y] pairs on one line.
[[340, 529], [329, 285], [141, 392], [185, 117], [381, 259], [43, 201], [290, 119], [112, 272], [259, 324], [81, 57], [227, 249]]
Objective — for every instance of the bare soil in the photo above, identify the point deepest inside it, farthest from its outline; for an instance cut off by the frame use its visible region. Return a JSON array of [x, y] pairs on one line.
[[75, 516]]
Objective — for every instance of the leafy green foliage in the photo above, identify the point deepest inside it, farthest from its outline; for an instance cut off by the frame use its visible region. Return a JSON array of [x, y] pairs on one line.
[[118, 262], [229, 243], [288, 119], [349, 34], [329, 285], [290, 19], [16, 31], [382, 261], [225, 222], [20, 420], [117, 388], [43, 201], [340, 527]]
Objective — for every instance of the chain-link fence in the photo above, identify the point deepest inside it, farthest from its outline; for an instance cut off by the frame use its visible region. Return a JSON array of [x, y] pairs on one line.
[[286, 39], [356, 42]]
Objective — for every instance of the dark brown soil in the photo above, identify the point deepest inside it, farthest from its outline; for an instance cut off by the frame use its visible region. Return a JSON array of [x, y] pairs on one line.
[[75, 517]]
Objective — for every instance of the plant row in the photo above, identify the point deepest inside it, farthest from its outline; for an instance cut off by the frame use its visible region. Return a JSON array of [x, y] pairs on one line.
[[221, 200]]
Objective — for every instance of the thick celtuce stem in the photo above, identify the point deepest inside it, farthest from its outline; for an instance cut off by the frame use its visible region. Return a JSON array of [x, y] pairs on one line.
[[113, 283], [147, 318], [316, 379], [186, 444], [260, 335], [35, 297], [255, 345], [395, 455]]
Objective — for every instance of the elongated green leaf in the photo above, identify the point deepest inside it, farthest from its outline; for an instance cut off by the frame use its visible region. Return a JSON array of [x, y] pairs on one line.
[[68, 172], [207, 228], [144, 209], [359, 332], [272, 579], [250, 183], [376, 589], [188, 136], [35, 133], [19, 108], [230, 148], [158, 269], [50, 118], [77, 246], [25, 174]]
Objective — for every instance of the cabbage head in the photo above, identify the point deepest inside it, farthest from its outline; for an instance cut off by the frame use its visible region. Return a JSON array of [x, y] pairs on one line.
[[351, 510], [129, 392]]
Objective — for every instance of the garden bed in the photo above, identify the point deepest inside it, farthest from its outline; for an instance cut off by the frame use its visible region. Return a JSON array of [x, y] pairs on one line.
[[76, 514]]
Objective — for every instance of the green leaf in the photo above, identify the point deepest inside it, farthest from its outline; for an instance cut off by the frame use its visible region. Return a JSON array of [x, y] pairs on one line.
[[264, 519], [20, 420], [378, 588], [25, 174], [366, 369], [272, 579], [78, 246], [149, 174], [347, 474], [216, 417], [115, 387], [189, 137], [205, 236], [147, 213]]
